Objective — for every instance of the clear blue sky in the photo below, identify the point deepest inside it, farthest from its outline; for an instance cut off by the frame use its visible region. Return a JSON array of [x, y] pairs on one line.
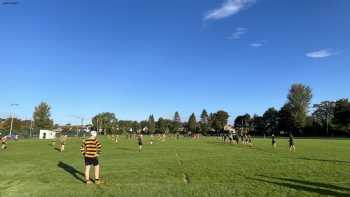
[[137, 57]]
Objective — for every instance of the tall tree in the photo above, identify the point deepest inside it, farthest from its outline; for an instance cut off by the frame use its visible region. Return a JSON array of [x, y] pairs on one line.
[[144, 126], [342, 114], [17, 124], [299, 99], [124, 126], [285, 119], [220, 120], [176, 122], [204, 122], [192, 123], [243, 121], [105, 122], [151, 124], [257, 124], [270, 118], [42, 116], [162, 126], [324, 114]]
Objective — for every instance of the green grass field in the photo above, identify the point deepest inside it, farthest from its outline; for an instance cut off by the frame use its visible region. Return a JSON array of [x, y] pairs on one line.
[[184, 167]]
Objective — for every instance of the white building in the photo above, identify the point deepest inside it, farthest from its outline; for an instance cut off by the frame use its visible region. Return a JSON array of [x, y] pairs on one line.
[[47, 134]]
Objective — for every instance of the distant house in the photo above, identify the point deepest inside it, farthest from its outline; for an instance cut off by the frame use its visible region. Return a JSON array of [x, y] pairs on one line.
[[47, 134]]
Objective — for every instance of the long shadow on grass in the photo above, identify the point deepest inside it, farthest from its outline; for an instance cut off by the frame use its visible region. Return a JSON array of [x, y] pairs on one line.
[[325, 160], [71, 170], [308, 186], [243, 146], [126, 149]]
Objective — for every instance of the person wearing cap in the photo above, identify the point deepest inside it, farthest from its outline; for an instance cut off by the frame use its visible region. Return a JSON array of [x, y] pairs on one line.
[[91, 149]]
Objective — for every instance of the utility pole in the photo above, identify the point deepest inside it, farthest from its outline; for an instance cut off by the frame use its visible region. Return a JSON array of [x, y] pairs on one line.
[[12, 116], [31, 128]]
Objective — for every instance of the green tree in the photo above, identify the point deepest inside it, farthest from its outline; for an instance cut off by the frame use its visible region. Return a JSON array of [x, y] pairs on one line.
[[124, 126], [299, 99], [270, 118], [105, 122], [176, 122], [42, 116], [192, 123], [136, 127], [17, 125], [204, 122], [324, 114], [243, 121], [258, 124], [151, 124], [285, 118], [162, 126], [220, 120], [144, 126], [342, 114]]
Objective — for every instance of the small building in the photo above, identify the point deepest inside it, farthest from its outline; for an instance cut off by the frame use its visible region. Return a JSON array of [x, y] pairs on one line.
[[47, 134]]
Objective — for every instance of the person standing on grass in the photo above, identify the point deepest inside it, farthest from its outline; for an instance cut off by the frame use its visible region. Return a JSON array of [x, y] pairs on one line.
[[140, 141], [249, 140], [230, 137], [63, 140], [116, 138], [3, 142], [151, 139], [91, 149], [291, 143], [274, 142]]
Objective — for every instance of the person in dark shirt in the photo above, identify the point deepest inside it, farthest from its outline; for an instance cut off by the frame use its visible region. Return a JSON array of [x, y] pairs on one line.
[[140, 141], [274, 142], [291, 143]]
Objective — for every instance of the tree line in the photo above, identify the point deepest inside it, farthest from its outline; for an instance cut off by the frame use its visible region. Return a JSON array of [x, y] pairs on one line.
[[41, 120], [328, 118], [107, 123], [296, 116]]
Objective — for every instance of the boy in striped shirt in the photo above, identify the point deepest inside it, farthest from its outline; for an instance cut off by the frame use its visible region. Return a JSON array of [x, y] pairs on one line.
[[91, 148]]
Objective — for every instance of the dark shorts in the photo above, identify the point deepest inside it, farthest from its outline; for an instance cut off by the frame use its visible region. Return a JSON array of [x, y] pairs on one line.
[[140, 143], [91, 161]]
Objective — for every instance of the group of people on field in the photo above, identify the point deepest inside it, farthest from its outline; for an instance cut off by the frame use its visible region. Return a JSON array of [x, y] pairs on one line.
[[290, 141], [91, 148], [233, 137]]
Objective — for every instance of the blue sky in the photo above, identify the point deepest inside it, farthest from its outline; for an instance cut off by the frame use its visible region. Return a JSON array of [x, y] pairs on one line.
[[138, 57]]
